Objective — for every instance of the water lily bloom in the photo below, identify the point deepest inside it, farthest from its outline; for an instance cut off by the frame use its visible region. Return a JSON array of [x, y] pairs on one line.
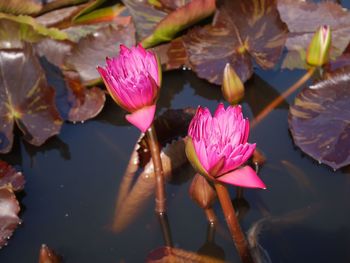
[[133, 80], [318, 51], [217, 146]]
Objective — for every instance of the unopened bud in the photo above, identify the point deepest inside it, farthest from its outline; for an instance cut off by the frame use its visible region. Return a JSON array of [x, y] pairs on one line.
[[202, 192], [232, 86], [318, 51]]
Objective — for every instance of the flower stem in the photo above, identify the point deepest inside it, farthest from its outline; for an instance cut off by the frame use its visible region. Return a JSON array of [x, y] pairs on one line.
[[158, 170], [276, 102], [165, 227], [233, 224], [209, 212]]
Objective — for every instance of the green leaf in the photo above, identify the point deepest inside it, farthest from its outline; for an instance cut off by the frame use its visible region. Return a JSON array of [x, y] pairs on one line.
[[178, 20], [26, 28]]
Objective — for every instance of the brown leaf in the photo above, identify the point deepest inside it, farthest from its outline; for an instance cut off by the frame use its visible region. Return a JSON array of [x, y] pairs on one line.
[[10, 178], [92, 50], [25, 99], [85, 103], [319, 121], [242, 32], [9, 209]]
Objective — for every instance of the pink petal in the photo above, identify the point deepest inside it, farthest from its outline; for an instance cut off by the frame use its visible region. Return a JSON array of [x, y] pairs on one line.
[[244, 177], [142, 118]]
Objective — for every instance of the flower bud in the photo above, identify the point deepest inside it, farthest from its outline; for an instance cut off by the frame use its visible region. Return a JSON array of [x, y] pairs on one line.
[[318, 51], [232, 86], [202, 192]]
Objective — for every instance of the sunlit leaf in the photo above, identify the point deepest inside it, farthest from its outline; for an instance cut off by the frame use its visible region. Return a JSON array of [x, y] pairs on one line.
[[10, 178], [169, 254], [243, 32], [9, 209], [91, 6], [16, 28], [145, 16], [60, 18], [319, 121], [57, 4], [47, 255], [25, 99], [303, 18], [20, 7], [178, 20], [100, 15], [93, 49]]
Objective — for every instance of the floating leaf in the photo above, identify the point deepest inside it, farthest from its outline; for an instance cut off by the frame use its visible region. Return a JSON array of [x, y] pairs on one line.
[[10, 178], [57, 4], [93, 49], [169, 254], [25, 99], [100, 15], [178, 20], [25, 28], [242, 32], [9, 209], [91, 6], [319, 121], [47, 255], [172, 55], [145, 16], [303, 18], [60, 18], [85, 103], [20, 7]]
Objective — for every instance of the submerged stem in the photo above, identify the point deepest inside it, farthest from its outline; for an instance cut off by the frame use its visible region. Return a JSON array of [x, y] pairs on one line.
[[165, 227], [233, 224], [158, 170], [276, 102]]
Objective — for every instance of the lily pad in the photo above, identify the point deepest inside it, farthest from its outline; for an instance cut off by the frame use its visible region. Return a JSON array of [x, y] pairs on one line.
[[85, 103], [319, 121], [25, 99], [9, 209], [25, 28], [10, 178], [145, 16], [303, 18], [19, 7], [243, 32], [93, 49], [178, 20]]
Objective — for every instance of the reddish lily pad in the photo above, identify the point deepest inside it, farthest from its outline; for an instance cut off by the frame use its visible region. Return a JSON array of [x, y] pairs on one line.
[[303, 18], [145, 16], [93, 49], [178, 20], [243, 32], [9, 209], [319, 121], [19, 7], [10, 178], [85, 103], [172, 55], [25, 99]]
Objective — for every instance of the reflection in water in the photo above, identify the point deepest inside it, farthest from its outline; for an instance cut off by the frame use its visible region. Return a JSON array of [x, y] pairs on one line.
[[132, 199], [210, 248]]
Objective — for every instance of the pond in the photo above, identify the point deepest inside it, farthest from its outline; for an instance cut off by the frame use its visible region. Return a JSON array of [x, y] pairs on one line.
[[75, 179], [72, 183]]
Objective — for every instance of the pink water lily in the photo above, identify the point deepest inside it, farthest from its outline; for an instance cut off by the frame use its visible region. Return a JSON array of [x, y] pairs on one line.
[[217, 146], [133, 80]]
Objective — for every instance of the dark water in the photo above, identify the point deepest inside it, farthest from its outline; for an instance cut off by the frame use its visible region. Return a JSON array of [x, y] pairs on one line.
[[73, 180]]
